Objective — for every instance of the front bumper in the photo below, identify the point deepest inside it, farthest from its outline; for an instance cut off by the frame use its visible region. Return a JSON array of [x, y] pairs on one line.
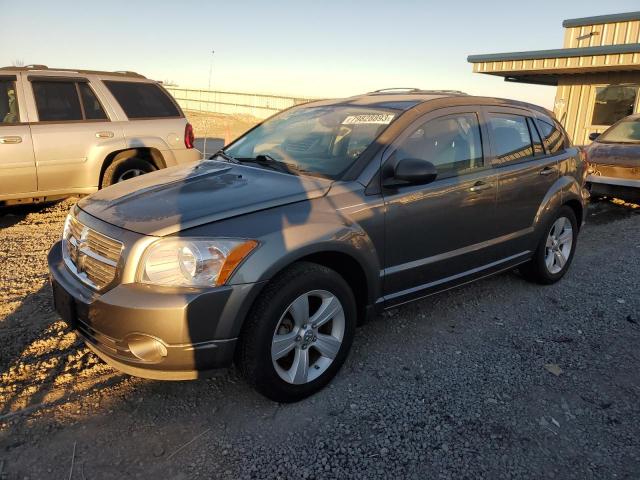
[[153, 332], [625, 188]]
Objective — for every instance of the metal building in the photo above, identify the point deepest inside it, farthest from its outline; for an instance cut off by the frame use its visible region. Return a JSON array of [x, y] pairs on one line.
[[597, 72]]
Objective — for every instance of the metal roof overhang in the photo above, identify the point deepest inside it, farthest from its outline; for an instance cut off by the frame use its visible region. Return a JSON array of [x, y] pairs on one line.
[[545, 66]]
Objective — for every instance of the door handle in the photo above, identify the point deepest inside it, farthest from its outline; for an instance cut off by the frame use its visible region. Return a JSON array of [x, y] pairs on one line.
[[547, 170], [105, 134], [11, 140], [480, 186]]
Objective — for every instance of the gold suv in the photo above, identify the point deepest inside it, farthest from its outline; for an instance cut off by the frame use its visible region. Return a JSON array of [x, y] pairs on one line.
[[72, 132]]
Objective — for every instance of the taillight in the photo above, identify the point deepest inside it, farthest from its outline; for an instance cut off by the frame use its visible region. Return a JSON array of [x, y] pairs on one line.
[[188, 136]]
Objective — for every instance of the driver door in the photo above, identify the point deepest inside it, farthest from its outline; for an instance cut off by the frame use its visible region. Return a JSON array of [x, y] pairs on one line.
[[438, 234]]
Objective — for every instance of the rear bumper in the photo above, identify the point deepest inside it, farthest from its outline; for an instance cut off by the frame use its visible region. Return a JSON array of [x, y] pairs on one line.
[[165, 334]]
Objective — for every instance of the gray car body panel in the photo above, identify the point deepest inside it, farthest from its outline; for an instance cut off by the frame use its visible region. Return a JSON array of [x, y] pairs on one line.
[[407, 241]]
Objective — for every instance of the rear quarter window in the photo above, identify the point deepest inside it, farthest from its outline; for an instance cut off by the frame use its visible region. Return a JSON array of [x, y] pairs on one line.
[[552, 137], [143, 100]]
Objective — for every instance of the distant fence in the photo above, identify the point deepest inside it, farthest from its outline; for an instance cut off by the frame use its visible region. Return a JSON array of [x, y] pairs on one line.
[[260, 106]]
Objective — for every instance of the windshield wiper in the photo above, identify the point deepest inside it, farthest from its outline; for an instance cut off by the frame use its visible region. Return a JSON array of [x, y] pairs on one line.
[[226, 156], [270, 162]]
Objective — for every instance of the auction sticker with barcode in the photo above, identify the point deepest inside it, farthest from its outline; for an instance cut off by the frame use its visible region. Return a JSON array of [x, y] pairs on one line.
[[378, 118]]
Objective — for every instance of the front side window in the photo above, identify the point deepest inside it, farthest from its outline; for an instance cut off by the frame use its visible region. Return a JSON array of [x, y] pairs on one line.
[[57, 101], [452, 143], [142, 100], [613, 103], [626, 131], [510, 137], [322, 141], [8, 102]]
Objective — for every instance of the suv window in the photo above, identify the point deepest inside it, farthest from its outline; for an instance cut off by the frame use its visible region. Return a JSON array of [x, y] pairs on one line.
[[453, 143], [92, 108], [142, 100], [8, 102], [510, 137], [552, 136], [57, 101]]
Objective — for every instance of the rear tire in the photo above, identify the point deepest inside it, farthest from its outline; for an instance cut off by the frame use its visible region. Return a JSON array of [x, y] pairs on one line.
[[124, 169], [554, 253], [280, 333]]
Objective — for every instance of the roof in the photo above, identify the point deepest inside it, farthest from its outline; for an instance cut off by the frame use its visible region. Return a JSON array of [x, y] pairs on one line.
[[556, 53], [600, 19], [44, 68], [393, 99], [407, 101]]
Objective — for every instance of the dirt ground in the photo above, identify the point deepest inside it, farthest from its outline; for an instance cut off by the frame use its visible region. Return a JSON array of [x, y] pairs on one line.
[[454, 386], [225, 127]]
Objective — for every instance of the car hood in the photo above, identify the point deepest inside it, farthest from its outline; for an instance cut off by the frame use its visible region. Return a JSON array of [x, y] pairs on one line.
[[177, 198], [614, 154]]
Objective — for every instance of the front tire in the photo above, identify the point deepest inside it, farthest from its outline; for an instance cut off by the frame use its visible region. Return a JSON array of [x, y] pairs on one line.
[[554, 253], [298, 333]]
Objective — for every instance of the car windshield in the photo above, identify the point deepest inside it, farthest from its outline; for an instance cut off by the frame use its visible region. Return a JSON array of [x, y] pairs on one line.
[[627, 131], [322, 141]]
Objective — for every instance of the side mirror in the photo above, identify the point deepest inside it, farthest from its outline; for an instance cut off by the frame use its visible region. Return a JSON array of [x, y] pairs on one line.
[[593, 136], [415, 171]]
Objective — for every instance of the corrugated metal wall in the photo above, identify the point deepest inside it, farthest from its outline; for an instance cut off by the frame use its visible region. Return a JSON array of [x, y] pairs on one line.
[[606, 34], [575, 98], [257, 105]]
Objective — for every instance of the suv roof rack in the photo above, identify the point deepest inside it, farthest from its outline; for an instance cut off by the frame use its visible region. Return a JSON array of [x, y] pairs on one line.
[[416, 90], [29, 68]]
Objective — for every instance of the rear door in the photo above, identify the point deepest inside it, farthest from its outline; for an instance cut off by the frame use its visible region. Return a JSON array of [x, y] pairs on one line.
[[71, 123], [438, 233], [526, 171], [17, 163]]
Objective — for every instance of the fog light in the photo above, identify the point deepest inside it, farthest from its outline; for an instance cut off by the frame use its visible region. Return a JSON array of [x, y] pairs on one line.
[[146, 348]]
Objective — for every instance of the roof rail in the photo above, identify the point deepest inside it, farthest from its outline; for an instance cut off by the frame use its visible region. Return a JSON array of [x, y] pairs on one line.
[[97, 72], [417, 91]]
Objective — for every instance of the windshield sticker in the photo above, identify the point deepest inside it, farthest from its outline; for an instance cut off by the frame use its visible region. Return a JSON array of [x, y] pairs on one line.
[[379, 119]]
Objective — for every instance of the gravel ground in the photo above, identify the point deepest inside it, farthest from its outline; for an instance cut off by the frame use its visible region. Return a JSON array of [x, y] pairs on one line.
[[499, 379]]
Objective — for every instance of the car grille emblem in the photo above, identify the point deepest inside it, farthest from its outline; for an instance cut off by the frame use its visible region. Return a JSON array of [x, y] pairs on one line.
[[81, 244]]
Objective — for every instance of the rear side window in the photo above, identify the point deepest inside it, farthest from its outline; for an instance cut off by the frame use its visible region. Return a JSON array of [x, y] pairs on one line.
[[535, 136], [57, 101], [142, 100], [8, 102], [552, 137], [452, 143], [510, 137], [92, 108]]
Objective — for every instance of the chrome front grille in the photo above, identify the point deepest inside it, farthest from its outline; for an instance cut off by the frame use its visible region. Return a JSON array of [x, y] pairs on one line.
[[90, 255]]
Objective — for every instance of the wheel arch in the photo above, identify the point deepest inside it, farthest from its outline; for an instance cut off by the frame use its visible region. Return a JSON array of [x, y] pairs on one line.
[[150, 154]]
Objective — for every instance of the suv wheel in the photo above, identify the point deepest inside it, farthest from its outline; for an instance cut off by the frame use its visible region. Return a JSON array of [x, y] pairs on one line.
[[298, 333], [555, 250], [124, 169]]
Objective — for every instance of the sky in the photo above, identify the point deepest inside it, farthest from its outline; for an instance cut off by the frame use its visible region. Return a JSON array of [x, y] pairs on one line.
[[316, 49]]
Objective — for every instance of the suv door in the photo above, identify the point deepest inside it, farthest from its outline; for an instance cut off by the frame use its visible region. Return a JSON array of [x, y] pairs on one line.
[[72, 124], [437, 233], [526, 172], [17, 164]]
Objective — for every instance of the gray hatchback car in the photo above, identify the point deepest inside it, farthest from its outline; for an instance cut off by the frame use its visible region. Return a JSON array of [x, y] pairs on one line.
[[272, 251]]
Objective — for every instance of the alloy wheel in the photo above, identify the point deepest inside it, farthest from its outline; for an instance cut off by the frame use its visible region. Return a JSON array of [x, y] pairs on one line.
[[559, 244], [131, 173], [308, 337]]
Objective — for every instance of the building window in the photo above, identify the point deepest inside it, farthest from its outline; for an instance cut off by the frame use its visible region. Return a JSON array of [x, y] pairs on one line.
[[613, 103]]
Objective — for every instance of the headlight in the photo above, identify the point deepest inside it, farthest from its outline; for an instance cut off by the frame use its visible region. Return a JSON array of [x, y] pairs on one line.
[[193, 262]]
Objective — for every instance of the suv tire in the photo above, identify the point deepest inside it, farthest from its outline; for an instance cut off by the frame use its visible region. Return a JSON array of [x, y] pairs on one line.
[[555, 251], [124, 168], [278, 323]]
